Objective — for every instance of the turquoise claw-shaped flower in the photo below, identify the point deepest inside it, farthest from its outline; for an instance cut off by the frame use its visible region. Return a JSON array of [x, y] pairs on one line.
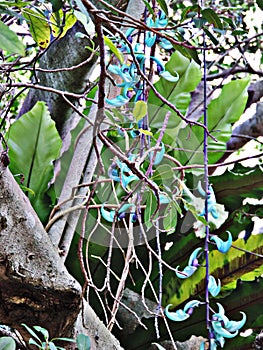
[[125, 180], [150, 39], [192, 266], [165, 44], [123, 174], [211, 201], [233, 326], [223, 327], [223, 246], [107, 215], [213, 287], [164, 73], [182, 314], [218, 328], [118, 101]]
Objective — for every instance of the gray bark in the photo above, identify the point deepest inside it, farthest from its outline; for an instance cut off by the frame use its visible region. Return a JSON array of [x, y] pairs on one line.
[[35, 287], [66, 52]]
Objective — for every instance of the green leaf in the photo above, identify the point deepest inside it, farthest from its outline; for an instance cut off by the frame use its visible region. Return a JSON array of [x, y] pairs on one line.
[[151, 206], [139, 110], [42, 331], [87, 23], [170, 218], [164, 175], [38, 26], [145, 132], [149, 7], [177, 93], [34, 144], [83, 342], [212, 18], [114, 49], [222, 112], [163, 5], [194, 10], [9, 40], [60, 31], [211, 37], [56, 5], [30, 331], [33, 342], [7, 343]]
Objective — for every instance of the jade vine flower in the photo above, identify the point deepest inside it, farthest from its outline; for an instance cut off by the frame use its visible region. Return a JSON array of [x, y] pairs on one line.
[[213, 287], [223, 246], [182, 314], [109, 215], [123, 174], [160, 21], [211, 202], [223, 327], [192, 266], [164, 73]]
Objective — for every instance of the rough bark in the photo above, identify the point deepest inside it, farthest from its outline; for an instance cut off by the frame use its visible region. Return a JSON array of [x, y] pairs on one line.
[[35, 287], [66, 52]]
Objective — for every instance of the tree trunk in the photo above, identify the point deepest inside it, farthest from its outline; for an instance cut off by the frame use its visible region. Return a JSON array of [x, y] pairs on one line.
[[35, 287]]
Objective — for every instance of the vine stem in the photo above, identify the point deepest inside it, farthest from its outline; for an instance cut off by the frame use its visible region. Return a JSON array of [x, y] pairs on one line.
[[206, 181]]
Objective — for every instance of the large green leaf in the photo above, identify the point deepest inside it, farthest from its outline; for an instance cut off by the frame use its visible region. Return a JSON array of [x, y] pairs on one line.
[[177, 93], [222, 112], [9, 40], [238, 184], [34, 144]]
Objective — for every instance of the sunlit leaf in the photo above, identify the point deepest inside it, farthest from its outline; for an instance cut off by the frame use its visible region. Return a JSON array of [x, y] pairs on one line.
[[38, 26], [146, 132], [178, 92], [114, 49], [139, 110], [9, 41], [69, 20]]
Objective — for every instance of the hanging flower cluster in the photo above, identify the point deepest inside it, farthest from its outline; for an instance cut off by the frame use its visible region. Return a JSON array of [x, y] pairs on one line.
[[132, 84], [221, 326]]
